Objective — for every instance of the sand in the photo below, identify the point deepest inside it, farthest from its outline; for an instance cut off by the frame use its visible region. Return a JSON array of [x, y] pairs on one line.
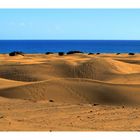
[[77, 92]]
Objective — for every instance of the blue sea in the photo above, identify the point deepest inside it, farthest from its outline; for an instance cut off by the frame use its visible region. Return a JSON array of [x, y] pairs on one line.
[[42, 46]]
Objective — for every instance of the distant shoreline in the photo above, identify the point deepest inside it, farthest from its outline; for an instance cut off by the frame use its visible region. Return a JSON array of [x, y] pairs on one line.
[[80, 53]]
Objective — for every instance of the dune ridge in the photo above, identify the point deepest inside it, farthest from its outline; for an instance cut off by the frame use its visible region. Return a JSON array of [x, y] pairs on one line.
[[96, 68], [76, 91]]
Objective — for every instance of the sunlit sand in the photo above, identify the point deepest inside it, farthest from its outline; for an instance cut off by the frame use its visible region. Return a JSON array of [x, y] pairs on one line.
[[77, 92]]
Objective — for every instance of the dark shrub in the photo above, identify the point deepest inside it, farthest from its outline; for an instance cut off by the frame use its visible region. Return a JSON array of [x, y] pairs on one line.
[[118, 53], [47, 53], [97, 53], [90, 53], [73, 52], [15, 53], [61, 53], [131, 53]]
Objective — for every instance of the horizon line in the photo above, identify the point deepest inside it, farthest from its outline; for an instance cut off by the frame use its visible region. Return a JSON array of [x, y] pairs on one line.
[[69, 39]]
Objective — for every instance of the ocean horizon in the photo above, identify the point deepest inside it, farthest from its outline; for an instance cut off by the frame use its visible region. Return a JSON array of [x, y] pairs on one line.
[[94, 46]]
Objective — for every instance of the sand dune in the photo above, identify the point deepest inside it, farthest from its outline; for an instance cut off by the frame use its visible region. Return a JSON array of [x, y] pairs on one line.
[[104, 69], [96, 68], [76, 91], [106, 79]]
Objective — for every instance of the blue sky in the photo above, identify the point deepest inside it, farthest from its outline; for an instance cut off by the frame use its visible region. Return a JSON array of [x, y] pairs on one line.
[[114, 24]]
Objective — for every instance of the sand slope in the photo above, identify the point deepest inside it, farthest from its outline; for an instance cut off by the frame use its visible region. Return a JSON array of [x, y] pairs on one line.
[[76, 91]]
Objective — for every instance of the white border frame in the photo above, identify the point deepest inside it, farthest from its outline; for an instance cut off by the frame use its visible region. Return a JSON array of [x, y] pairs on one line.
[[70, 136], [69, 3]]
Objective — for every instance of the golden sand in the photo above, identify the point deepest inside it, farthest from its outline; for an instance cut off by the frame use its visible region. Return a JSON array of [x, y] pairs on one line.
[[77, 92]]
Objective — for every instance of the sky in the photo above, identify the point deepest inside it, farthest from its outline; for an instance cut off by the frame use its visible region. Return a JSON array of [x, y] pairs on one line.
[[70, 24]]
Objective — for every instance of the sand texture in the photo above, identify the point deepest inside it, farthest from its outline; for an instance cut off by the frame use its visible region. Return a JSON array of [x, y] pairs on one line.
[[77, 92]]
